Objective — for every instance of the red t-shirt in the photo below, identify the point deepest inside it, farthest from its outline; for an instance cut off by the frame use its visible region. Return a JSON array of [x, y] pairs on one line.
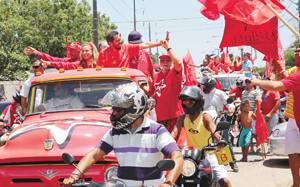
[[237, 92], [291, 83], [269, 99], [167, 90], [111, 57]]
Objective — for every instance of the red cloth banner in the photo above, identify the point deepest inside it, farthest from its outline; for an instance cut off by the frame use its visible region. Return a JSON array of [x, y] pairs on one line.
[[260, 127], [252, 12], [263, 38], [189, 70]]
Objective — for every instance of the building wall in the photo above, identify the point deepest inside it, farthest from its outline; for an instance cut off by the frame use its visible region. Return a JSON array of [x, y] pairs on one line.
[[8, 88]]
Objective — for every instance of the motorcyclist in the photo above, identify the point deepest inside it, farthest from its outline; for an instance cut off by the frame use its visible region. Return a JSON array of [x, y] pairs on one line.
[[138, 142], [199, 127]]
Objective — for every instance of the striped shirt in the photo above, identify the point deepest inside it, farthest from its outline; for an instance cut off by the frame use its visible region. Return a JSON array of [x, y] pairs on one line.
[[138, 152], [252, 96]]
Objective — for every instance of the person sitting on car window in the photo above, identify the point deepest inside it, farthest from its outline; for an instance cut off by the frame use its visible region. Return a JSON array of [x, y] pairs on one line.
[[62, 100], [138, 142]]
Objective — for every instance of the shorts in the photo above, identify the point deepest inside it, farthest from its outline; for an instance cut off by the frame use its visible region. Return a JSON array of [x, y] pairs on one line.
[[219, 171], [245, 137], [292, 137]]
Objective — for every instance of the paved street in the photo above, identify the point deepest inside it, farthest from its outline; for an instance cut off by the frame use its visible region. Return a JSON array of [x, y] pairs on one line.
[[271, 172]]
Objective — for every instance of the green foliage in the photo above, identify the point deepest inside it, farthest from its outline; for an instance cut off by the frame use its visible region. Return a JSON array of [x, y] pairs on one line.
[[289, 55], [289, 58], [44, 25]]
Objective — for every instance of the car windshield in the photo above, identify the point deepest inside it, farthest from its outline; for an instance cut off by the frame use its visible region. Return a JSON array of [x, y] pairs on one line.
[[70, 95], [227, 82]]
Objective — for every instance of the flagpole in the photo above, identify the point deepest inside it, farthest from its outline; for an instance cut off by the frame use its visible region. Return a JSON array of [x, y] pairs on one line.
[[284, 22], [292, 14]]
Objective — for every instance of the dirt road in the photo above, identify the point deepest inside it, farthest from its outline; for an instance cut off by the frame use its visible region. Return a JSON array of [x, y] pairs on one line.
[[271, 172]]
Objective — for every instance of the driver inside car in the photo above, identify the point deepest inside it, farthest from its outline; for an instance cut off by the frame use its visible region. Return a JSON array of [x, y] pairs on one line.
[[199, 127], [62, 100], [138, 142]]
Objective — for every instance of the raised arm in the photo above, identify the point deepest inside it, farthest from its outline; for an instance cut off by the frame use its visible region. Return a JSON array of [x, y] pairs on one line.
[[268, 85], [177, 63]]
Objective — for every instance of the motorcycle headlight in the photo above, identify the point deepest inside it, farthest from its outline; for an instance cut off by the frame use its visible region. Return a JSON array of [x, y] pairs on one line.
[[189, 168], [111, 173]]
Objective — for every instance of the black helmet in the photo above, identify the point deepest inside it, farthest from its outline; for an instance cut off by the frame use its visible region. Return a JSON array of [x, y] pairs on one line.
[[129, 97], [208, 83], [193, 93]]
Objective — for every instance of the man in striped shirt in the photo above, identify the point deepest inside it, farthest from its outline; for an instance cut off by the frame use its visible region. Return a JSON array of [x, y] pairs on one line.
[[138, 142]]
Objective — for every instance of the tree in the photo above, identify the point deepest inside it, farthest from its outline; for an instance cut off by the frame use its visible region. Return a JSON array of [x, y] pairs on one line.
[[43, 24], [289, 54]]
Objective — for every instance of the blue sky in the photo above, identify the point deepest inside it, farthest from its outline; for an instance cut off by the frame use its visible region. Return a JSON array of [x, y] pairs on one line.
[[189, 30]]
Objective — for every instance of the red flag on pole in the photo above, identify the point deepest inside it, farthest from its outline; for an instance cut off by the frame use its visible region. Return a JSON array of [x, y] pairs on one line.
[[189, 70], [263, 38], [252, 12], [261, 127]]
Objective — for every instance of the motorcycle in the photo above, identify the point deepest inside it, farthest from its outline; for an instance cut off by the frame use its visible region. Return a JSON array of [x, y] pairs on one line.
[[197, 168], [162, 165]]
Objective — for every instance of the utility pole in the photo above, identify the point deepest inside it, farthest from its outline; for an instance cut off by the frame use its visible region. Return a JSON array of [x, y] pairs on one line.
[[134, 18], [149, 35], [299, 14], [95, 24]]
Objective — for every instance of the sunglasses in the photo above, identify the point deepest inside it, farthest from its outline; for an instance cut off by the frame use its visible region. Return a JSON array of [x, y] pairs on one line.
[[35, 67]]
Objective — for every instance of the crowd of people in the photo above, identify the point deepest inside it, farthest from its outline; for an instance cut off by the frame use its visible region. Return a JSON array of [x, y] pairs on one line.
[[195, 108]]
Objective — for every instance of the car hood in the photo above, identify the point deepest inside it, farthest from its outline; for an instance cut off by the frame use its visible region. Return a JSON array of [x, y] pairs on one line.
[[45, 137]]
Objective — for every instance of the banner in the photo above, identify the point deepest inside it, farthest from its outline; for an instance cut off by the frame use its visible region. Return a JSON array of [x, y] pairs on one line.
[[263, 38]]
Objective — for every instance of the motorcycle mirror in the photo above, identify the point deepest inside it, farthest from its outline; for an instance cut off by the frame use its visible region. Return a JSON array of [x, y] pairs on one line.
[[68, 159], [222, 125], [165, 165]]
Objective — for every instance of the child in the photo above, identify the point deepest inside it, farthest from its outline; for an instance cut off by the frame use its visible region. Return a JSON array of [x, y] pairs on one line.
[[245, 119]]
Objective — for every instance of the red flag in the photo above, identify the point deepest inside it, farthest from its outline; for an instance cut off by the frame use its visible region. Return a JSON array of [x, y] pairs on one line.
[[189, 70], [252, 12], [261, 127], [263, 38]]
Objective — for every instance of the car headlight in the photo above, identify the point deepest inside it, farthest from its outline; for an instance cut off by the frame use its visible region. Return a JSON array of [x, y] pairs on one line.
[[275, 133], [189, 168], [111, 173]]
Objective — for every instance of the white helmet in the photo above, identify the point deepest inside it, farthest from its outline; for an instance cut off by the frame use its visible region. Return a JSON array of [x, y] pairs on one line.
[[129, 97]]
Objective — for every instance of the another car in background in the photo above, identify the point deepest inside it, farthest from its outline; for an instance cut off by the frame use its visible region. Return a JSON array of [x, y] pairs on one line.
[[228, 80], [277, 139]]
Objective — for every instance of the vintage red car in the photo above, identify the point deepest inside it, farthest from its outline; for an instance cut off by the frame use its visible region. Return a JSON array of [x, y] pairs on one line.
[[63, 115]]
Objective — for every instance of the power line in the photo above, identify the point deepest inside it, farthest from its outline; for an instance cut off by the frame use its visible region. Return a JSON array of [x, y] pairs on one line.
[[160, 20], [120, 14], [130, 8]]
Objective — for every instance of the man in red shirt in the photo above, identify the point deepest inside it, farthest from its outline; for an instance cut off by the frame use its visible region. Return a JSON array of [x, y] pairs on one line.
[[270, 108], [118, 54], [290, 83], [168, 84], [75, 48]]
